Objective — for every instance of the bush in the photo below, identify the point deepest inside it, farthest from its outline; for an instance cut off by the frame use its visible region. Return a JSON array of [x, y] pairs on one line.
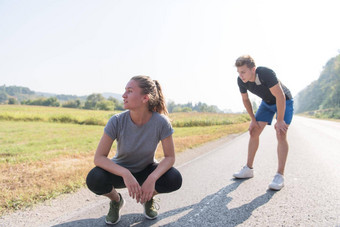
[[42, 102], [333, 113], [12, 101], [72, 104], [63, 119]]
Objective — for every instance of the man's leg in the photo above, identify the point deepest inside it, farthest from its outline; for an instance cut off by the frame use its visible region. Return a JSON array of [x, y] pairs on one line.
[[282, 148], [282, 143], [254, 141], [247, 171], [282, 151]]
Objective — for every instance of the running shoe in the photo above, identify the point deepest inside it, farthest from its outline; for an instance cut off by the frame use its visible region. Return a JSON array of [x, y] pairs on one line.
[[277, 183], [245, 172], [150, 209], [113, 217]]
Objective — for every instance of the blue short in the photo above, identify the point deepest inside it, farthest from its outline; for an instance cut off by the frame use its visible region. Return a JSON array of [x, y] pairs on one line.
[[266, 112]]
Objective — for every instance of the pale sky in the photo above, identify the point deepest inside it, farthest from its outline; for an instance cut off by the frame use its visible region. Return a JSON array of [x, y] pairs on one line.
[[79, 47]]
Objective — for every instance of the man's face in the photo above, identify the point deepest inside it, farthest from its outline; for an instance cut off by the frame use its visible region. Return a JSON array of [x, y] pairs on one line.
[[246, 74]]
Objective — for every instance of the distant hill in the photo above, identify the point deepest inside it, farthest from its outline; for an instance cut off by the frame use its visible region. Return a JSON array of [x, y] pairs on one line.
[[324, 93], [62, 98], [114, 95], [15, 93], [23, 93]]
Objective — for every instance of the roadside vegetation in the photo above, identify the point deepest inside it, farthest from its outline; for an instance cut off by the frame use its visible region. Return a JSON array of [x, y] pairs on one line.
[[330, 114], [47, 151], [321, 99]]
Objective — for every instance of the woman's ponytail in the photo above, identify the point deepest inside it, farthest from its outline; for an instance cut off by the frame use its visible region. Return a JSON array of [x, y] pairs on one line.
[[161, 104], [154, 90]]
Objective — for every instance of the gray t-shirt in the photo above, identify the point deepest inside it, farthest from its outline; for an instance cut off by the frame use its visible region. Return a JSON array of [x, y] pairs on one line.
[[136, 145]]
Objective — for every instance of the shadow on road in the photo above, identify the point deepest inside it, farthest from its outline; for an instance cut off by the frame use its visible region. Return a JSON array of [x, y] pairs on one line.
[[210, 211]]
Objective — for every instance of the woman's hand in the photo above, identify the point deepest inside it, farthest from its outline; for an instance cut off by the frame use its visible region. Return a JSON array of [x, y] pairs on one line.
[[148, 189], [135, 190]]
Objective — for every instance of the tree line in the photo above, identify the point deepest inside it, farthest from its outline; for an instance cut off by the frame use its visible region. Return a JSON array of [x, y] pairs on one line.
[[24, 96], [98, 102], [93, 102], [189, 107], [322, 95]]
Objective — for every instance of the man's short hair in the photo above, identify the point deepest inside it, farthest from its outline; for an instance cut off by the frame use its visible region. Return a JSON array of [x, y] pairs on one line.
[[245, 60]]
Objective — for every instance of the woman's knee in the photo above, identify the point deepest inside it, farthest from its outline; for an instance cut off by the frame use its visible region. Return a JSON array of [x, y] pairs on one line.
[[96, 181], [169, 182], [175, 179]]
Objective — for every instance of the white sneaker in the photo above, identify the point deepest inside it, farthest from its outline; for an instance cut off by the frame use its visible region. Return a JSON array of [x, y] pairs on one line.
[[245, 172], [277, 183]]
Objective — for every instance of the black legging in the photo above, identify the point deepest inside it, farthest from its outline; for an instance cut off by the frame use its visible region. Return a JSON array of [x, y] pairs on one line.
[[101, 181]]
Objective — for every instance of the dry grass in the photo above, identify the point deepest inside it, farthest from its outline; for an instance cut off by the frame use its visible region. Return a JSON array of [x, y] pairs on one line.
[[24, 184]]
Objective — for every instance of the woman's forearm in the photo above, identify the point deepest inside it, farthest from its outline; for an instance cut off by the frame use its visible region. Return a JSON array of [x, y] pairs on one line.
[[165, 164]]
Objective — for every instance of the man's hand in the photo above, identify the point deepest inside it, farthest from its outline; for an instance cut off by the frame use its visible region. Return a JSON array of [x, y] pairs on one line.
[[252, 126], [281, 127]]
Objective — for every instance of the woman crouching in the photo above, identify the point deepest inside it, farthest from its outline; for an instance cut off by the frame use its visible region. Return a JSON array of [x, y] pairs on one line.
[[138, 132]]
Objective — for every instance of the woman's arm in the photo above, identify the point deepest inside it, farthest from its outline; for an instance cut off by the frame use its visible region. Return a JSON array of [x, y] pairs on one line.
[[101, 160], [101, 157], [167, 162]]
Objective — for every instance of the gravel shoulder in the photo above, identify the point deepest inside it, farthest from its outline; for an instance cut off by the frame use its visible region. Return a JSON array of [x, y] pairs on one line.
[[54, 211]]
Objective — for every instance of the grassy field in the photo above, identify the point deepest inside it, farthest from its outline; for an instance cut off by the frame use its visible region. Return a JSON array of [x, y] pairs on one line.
[[42, 155], [98, 117], [54, 114]]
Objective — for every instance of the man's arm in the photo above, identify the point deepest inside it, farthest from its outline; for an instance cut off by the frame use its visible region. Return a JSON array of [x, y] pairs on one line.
[[247, 105], [249, 108], [277, 91]]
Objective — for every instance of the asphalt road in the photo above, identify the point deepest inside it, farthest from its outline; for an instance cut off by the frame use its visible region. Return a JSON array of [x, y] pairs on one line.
[[211, 197]]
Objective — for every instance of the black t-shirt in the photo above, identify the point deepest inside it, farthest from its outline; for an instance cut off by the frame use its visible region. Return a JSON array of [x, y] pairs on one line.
[[265, 79]]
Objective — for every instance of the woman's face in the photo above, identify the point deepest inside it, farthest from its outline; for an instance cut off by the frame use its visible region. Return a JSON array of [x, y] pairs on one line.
[[133, 97]]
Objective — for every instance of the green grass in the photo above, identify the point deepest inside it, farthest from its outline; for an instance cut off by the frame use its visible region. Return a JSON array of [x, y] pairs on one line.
[[41, 158], [196, 119], [54, 114], [96, 117], [36, 141]]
